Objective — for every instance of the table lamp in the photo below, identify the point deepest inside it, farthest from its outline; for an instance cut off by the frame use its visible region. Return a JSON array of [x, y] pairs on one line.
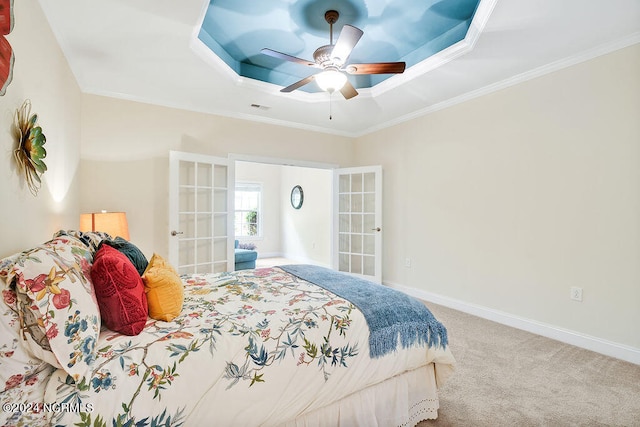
[[113, 223]]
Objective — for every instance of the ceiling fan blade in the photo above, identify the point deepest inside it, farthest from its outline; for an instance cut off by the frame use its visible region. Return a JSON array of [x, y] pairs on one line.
[[285, 57], [376, 68], [349, 37], [298, 84], [348, 91]]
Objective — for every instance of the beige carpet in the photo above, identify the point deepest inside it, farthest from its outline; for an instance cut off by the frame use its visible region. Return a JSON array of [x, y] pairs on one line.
[[272, 262], [508, 377]]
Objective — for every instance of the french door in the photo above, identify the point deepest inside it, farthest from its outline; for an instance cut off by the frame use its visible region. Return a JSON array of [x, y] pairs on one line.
[[357, 241], [200, 213], [201, 207]]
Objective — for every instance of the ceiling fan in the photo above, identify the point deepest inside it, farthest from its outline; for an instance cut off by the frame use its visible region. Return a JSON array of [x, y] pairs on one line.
[[332, 60]]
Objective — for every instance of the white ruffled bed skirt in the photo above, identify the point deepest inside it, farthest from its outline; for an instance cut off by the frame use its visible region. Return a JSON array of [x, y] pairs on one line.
[[403, 400]]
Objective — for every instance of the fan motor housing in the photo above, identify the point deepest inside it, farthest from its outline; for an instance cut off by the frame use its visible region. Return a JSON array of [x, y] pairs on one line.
[[322, 55]]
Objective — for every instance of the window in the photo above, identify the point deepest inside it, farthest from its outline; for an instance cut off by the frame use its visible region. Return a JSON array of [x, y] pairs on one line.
[[248, 210]]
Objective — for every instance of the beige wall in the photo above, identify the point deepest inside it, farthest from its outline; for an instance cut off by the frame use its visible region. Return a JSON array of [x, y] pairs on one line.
[[125, 148], [508, 200], [42, 75], [306, 232]]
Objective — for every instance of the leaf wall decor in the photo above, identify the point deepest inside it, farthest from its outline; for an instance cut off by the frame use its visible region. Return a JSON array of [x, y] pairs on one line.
[[30, 141]]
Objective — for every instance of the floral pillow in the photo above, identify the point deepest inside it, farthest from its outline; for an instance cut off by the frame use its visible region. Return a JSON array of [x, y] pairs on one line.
[[6, 269], [90, 238], [63, 321], [17, 364]]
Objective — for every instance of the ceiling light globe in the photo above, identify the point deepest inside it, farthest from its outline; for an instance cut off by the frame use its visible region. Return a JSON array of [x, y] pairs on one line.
[[331, 80]]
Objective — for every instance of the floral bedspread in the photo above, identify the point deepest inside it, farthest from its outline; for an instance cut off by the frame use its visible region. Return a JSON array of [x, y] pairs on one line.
[[250, 347]]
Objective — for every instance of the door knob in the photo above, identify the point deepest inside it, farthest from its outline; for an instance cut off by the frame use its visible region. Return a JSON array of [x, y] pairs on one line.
[[175, 233], [376, 229]]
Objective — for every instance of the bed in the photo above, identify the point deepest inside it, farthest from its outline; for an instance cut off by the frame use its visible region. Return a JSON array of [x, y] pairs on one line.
[[289, 345]]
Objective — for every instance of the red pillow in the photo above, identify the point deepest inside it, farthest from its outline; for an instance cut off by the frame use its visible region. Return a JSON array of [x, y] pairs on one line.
[[119, 291]]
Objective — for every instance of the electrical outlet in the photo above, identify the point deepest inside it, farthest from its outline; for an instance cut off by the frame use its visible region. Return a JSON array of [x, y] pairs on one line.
[[576, 293], [407, 262]]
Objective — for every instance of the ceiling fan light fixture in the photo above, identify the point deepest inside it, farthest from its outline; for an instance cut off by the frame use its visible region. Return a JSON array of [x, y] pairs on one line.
[[331, 58], [331, 80]]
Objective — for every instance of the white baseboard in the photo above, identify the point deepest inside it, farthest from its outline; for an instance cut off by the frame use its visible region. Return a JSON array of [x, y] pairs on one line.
[[609, 348]]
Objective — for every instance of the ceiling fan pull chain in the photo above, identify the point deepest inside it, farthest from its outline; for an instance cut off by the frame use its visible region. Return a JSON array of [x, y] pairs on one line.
[[330, 106]]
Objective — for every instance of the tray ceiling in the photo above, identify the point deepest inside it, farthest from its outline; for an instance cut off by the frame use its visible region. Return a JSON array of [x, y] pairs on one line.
[[407, 31], [149, 51]]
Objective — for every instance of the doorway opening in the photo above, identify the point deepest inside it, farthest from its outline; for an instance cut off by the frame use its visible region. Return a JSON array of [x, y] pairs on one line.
[[279, 231]]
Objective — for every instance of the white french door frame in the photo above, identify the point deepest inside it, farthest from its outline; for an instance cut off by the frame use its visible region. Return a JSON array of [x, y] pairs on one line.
[[214, 234], [357, 245]]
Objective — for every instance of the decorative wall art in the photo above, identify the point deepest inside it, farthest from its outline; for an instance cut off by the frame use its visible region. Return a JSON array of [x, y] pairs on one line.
[[6, 51], [30, 151]]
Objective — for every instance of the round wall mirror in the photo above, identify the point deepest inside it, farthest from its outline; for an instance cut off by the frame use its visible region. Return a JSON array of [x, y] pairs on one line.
[[297, 197]]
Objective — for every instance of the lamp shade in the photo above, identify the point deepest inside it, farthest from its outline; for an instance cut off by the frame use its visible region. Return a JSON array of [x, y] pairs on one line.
[[331, 80], [113, 223]]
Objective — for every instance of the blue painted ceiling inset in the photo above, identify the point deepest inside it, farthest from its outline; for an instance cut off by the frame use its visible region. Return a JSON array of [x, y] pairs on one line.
[[409, 31]]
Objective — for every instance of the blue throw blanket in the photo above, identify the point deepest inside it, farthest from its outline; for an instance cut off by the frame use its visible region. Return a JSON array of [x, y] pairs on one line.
[[390, 314]]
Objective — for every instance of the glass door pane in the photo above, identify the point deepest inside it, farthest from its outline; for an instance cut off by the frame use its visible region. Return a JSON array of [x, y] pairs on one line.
[[358, 217], [199, 213]]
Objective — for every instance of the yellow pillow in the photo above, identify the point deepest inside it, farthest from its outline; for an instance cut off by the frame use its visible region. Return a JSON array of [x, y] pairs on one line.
[[164, 289]]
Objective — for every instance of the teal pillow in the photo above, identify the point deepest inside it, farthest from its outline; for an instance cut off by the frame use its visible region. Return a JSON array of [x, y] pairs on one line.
[[132, 252]]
